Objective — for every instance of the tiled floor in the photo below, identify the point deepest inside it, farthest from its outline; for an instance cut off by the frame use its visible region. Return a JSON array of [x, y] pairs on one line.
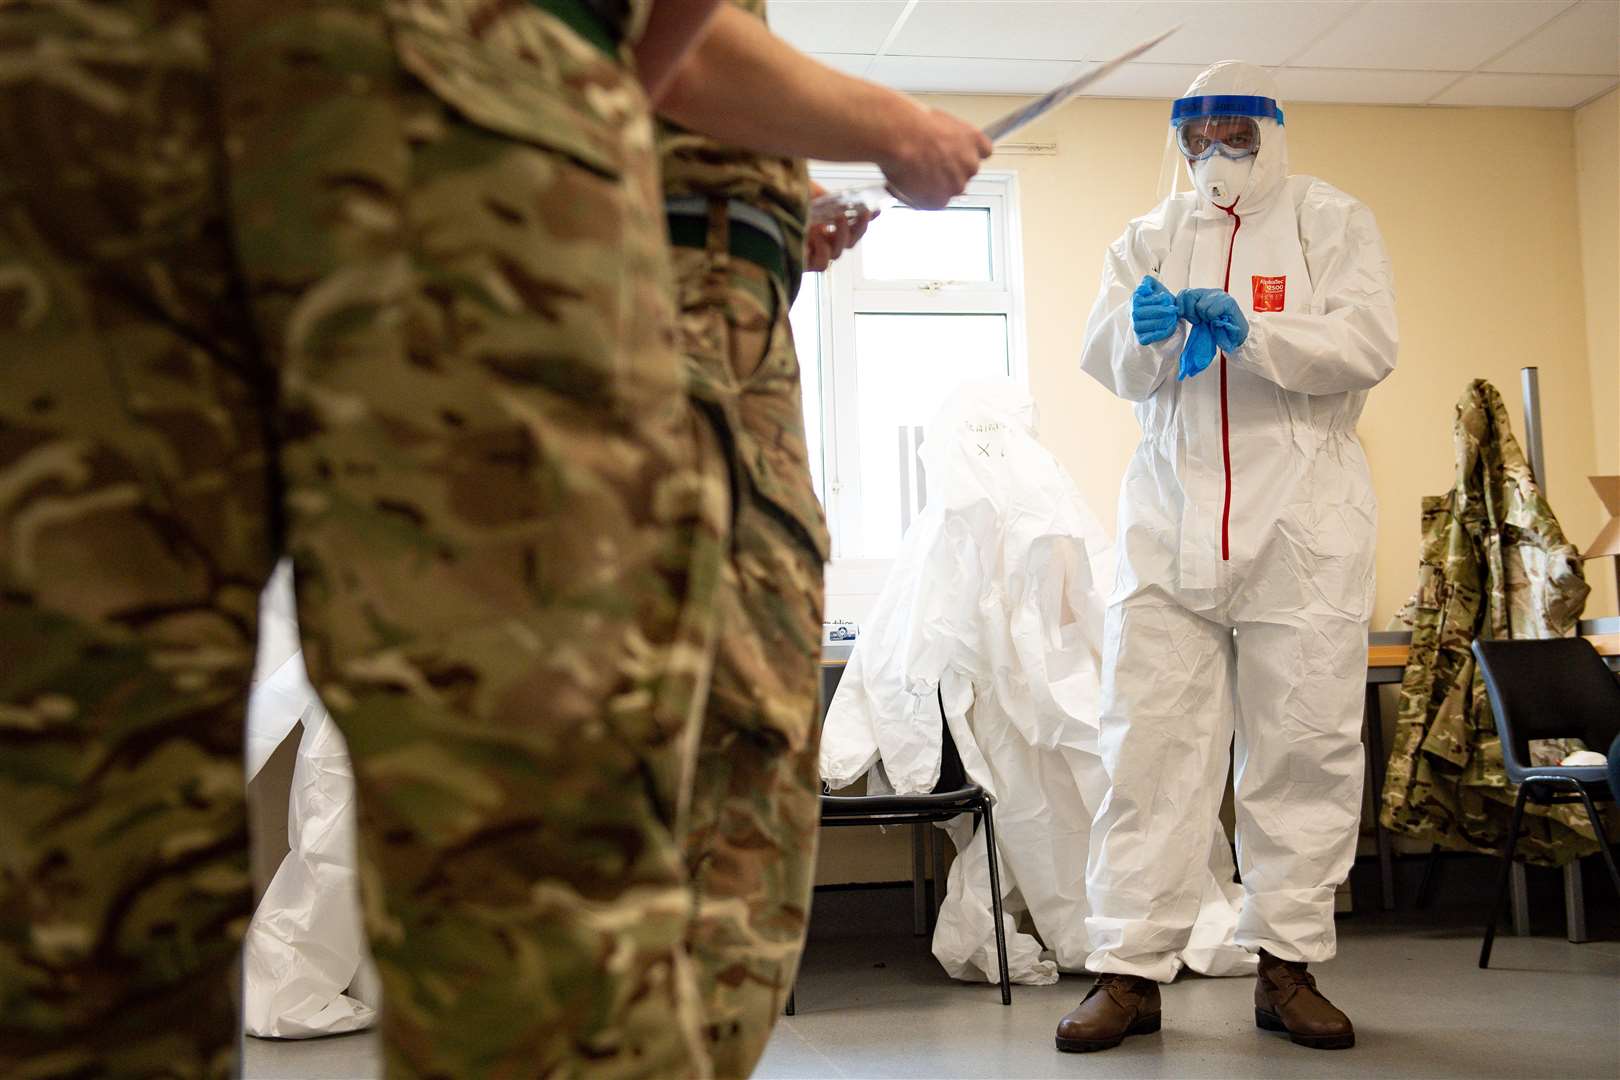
[[872, 1003]]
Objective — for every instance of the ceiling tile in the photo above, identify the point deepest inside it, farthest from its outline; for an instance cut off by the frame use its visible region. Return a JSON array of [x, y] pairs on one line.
[[849, 63], [1264, 33], [834, 26], [1544, 91], [971, 75], [1362, 87], [1585, 40], [1160, 81], [1016, 29], [1428, 35]]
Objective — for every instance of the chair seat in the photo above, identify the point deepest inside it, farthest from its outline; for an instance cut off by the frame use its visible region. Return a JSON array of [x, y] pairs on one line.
[[960, 801], [1595, 777]]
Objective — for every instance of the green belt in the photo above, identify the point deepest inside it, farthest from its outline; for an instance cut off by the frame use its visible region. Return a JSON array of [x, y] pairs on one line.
[[593, 20], [746, 242]]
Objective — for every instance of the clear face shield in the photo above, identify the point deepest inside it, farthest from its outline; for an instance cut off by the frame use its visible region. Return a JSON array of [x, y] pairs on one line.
[[1213, 140]]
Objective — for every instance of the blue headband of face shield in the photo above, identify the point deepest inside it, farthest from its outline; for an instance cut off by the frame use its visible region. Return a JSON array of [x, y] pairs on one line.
[[1261, 108]]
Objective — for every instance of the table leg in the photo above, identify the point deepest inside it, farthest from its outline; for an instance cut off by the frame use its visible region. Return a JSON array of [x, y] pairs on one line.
[[1377, 762], [1575, 902]]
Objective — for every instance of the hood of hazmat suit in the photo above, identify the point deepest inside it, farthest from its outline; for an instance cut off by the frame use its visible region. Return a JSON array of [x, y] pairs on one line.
[[1245, 543], [994, 604], [306, 969]]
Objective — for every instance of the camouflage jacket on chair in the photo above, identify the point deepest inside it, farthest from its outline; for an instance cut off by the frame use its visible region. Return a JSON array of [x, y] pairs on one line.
[[1494, 564]]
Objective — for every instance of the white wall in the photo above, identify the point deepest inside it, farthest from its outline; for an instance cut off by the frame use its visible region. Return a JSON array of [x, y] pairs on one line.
[[1597, 186]]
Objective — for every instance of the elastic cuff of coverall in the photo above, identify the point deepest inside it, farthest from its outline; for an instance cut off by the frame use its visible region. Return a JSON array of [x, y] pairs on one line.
[[1293, 925], [1169, 350], [1251, 355], [1160, 967]]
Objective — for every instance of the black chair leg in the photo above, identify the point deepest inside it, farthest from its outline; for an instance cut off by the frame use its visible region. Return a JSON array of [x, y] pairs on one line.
[[919, 881], [995, 901], [1602, 838], [792, 1003], [938, 899], [1502, 881]]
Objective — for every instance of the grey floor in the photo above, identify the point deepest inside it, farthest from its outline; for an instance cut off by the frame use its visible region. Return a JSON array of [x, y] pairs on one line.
[[872, 1003]]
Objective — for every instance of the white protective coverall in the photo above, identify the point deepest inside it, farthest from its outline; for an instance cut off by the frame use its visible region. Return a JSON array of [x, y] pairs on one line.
[[306, 969], [993, 601], [1246, 533]]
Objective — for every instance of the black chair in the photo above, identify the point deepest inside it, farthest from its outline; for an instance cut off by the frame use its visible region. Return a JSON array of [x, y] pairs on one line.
[[1553, 689], [953, 794]]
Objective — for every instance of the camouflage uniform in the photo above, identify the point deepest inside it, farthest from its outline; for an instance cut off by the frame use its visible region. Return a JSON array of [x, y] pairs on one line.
[[1495, 564], [381, 283], [755, 806]]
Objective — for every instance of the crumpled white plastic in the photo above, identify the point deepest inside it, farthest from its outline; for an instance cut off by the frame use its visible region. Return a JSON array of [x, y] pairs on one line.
[[995, 603], [306, 969]]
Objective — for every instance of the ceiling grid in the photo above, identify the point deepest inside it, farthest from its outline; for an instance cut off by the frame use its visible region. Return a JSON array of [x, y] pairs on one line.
[[1535, 53]]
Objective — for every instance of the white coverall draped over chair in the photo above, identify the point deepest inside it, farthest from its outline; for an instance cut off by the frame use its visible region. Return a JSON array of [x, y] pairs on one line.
[[995, 600]]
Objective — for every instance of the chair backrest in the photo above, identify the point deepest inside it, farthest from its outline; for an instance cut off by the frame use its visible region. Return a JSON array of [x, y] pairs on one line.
[[1558, 688]]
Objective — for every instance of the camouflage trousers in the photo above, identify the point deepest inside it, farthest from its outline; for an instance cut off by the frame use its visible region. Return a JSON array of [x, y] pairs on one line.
[[756, 799], [382, 285]]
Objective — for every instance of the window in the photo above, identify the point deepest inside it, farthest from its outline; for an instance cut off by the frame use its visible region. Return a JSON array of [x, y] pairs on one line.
[[926, 301]]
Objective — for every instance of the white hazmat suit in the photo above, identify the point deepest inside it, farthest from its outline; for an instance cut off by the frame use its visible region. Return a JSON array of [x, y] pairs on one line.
[[306, 969], [1245, 546], [993, 604]]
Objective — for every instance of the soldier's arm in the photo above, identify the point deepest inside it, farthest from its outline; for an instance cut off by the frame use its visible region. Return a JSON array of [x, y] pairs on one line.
[[672, 29], [745, 86]]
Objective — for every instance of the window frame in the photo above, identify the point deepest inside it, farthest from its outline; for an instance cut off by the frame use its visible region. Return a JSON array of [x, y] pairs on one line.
[[845, 293]]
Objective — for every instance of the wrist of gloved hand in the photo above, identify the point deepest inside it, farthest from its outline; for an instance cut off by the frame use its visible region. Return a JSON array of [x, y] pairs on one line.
[[1216, 309], [1153, 317], [1230, 332]]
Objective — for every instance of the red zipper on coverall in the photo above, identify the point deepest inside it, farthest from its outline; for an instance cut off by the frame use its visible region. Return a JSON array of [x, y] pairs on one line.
[[1226, 438]]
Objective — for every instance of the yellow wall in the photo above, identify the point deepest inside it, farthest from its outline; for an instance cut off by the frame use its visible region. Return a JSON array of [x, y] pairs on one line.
[[1597, 179], [1479, 210]]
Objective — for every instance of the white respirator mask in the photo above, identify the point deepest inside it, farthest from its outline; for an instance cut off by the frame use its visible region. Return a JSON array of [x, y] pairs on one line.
[[1220, 179]]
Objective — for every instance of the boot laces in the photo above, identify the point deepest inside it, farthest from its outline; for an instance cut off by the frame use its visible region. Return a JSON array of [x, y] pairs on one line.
[[1291, 975], [1125, 984]]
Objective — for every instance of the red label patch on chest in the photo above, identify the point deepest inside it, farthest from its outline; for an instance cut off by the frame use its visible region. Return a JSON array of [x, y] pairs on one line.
[[1270, 293]]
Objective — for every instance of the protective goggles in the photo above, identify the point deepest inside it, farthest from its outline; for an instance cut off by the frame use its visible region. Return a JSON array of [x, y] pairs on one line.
[[1227, 123]]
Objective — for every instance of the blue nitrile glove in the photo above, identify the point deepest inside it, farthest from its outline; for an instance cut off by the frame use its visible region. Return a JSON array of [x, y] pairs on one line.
[[1217, 323], [1198, 353], [1153, 312]]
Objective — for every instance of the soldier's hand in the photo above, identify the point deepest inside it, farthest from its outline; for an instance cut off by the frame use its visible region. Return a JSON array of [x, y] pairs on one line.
[[935, 156], [827, 241]]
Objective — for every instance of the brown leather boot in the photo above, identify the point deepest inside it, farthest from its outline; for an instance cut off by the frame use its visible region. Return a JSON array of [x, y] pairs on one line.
[[1117, 1006], [1286, 999]]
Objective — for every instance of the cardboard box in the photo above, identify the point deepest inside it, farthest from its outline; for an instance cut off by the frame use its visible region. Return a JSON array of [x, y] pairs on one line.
[[1608, 538]]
